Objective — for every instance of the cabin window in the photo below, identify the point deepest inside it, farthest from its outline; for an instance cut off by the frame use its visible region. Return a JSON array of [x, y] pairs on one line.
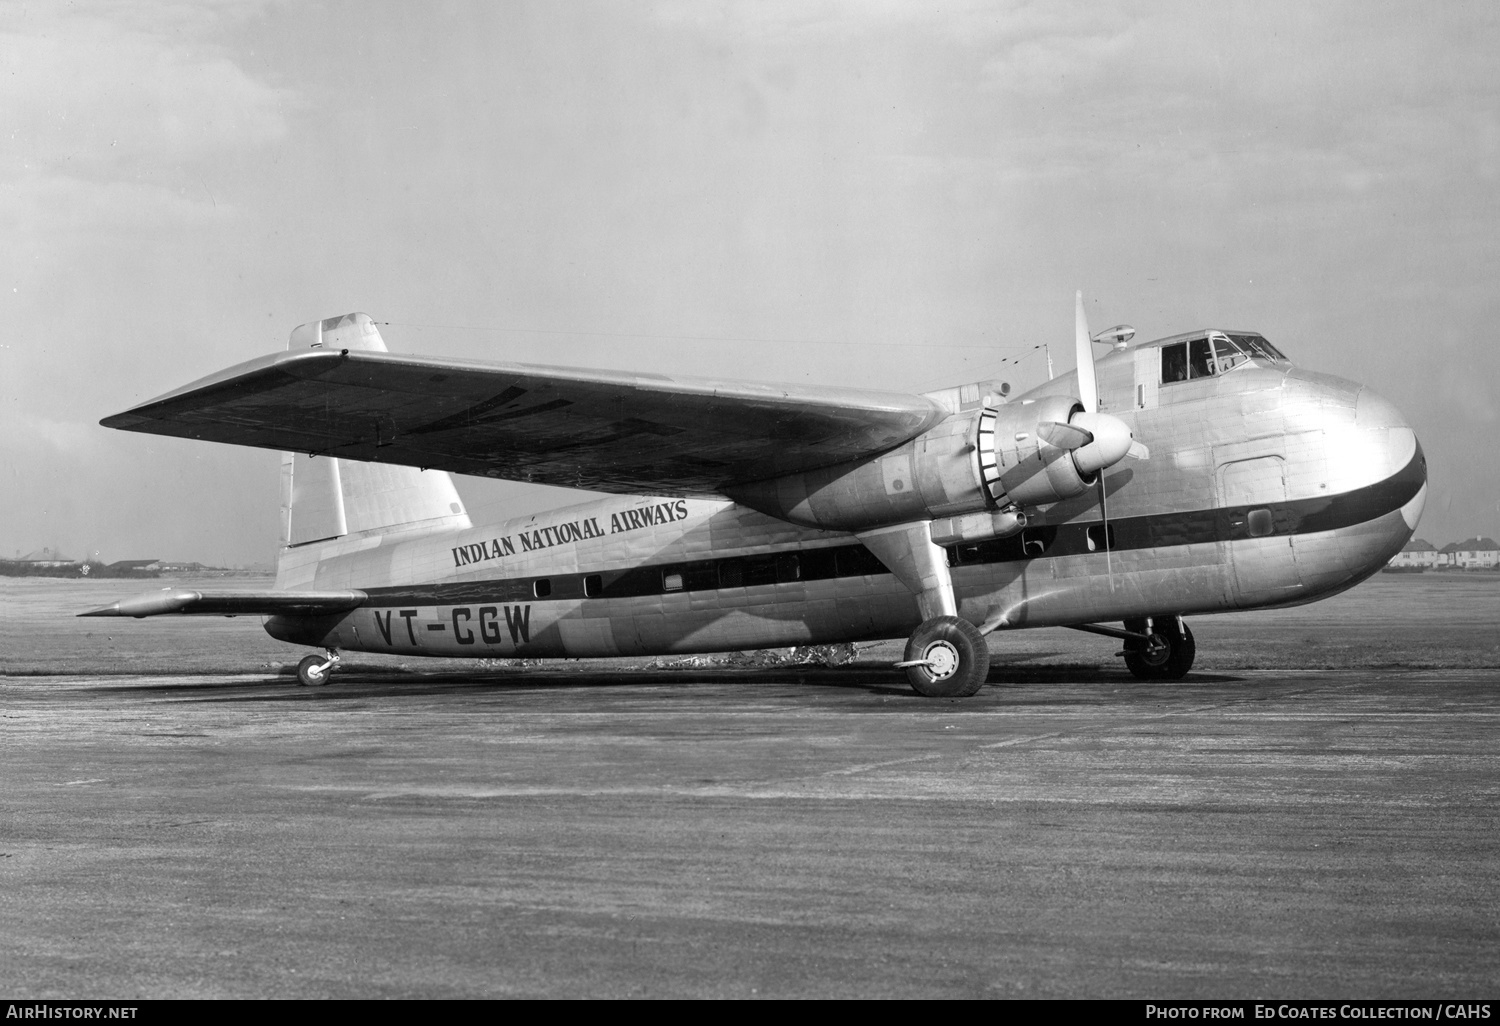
[[818, 564], [1036, 540], [788, 568], [593, 586], [691, 577], [858, 561], [1101, 536], [542, 587], [731, 574], [1261, 523], [758, 570]]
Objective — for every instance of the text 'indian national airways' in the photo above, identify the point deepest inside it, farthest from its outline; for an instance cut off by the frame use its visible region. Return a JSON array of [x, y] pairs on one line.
[[570, 531]]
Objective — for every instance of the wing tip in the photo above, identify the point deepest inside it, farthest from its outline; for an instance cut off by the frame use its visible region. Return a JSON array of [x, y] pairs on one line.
[[110, 610]]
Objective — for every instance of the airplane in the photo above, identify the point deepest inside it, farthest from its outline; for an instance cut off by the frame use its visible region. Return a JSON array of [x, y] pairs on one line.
[[1196, 474]]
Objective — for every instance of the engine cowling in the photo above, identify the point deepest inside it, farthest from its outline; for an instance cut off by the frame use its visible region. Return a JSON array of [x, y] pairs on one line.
[[995, 459]]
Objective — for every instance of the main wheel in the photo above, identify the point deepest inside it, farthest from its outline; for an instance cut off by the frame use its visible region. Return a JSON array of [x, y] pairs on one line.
[[1166, 655], [1184, 651], [311, 671], [947, 657]]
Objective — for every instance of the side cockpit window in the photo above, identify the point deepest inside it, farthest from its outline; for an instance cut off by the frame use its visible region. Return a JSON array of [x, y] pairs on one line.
[[1201, 359], [1174, 363], [1182, 361]]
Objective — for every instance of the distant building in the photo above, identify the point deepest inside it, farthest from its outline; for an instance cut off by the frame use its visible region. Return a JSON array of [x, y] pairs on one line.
[[46, 557], [1471, 554], [1419, 554], [178, 566]]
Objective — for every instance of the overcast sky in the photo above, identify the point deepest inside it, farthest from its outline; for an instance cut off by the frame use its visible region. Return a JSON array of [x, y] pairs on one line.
[[895, 195]]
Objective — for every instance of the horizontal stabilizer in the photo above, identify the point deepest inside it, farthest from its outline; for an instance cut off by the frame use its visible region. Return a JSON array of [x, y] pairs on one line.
[[182, 602]]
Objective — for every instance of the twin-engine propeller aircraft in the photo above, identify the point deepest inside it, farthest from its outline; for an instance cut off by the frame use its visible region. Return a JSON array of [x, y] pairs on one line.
[[1193, 474]]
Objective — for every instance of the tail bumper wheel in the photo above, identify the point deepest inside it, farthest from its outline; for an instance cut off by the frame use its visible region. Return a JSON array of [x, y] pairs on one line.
[[946, 657], [1167, 655], [314, 671]]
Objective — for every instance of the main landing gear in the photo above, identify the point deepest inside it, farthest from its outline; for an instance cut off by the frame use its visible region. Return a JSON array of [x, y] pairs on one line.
[[946, 657], [1165, 654], [315, 670]]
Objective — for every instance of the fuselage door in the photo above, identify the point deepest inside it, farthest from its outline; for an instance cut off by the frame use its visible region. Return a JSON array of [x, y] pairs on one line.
[[1251, 492]]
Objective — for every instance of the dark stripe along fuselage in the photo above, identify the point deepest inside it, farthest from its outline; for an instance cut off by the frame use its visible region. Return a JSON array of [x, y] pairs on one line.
[[820, 588]]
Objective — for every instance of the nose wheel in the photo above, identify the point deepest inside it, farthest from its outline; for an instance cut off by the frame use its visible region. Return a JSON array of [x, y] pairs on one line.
[[946, 657], [1168, 652], [314, 671]]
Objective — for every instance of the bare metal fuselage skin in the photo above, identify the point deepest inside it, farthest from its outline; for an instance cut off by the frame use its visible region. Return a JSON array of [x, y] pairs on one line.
[[1266, 485]]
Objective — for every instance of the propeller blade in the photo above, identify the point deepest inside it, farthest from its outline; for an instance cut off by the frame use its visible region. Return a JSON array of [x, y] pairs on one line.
[[1088, 389], [1138, 451], [1109, 559], [1064, 436]]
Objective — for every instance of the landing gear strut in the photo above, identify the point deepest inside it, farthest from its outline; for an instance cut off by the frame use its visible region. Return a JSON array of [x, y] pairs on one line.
[[1167, 654], [315, 670], [946, 657]]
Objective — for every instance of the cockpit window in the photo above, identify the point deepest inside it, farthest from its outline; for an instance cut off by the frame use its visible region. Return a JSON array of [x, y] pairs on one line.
[[1183, 360], [1256, 345], [1200, 359], [1207, 357]]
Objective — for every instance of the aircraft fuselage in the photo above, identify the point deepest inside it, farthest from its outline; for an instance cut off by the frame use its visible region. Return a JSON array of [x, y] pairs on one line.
[[1265, 486]]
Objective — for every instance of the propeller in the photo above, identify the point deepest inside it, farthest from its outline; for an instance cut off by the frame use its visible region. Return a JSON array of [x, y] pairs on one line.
[[1110, 440]]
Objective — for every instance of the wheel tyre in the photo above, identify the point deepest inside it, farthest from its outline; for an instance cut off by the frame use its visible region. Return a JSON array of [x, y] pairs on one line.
[[1146, 660], [1184, 650], [958, 653], [310, 671], [1168, 656], [1138, 667]]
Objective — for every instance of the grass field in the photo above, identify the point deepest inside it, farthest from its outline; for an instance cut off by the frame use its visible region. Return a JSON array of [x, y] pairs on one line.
[[1409, 620]]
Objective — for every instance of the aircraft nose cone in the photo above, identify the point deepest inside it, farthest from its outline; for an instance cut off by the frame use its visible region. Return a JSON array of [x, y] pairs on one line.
[[1356, 479], [1111, 442], [1391, 447], [1362, 438]]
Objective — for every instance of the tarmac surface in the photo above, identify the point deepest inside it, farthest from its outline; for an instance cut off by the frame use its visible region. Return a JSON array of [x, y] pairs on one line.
[[737, 833]]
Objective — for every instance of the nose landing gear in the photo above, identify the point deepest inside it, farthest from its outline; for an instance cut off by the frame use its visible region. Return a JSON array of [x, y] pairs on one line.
[[1167, 652], [314, 671]]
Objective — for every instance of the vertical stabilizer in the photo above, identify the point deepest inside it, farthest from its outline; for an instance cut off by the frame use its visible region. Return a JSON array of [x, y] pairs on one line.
[[312, 500], [323, 497]]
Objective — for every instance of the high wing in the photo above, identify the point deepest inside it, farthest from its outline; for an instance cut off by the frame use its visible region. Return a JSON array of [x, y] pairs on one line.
[[598, 430], [232, 603]]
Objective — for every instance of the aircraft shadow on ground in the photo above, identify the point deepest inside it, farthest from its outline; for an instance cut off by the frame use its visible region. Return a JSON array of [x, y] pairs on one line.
[[374, 682]]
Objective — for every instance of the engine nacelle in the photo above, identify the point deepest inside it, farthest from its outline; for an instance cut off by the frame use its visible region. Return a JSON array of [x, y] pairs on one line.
[[993, 459]]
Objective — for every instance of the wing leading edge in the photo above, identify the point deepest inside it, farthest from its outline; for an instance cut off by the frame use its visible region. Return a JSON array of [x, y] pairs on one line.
[[596, 430]]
